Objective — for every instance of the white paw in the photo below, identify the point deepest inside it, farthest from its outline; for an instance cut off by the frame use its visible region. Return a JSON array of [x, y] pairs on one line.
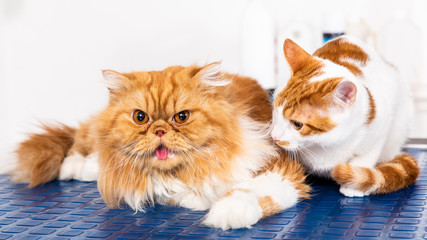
[[194, 202], [90, 170], [351, 192], [71, 166], [240, 210], [79, 168]]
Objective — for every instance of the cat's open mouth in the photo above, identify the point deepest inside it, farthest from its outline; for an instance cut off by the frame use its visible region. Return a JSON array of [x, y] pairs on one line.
[[162, 152]]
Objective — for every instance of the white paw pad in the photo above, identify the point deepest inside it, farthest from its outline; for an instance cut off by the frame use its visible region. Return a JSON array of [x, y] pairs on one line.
[[240, 210], [351, 192]]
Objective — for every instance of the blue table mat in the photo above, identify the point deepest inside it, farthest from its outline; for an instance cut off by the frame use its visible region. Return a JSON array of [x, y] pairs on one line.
[[75, 210]]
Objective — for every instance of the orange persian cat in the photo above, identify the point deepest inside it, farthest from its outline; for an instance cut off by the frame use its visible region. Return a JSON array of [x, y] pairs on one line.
[[186, 136]]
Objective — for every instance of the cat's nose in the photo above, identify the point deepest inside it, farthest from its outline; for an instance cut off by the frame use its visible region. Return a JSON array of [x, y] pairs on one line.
[[160, 132]]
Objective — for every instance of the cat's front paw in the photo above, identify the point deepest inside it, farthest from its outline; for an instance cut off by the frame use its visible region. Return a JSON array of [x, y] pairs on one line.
[[90, 169], [351, 192], [80, 168], [355, 181], [240, 210], [194, 202]]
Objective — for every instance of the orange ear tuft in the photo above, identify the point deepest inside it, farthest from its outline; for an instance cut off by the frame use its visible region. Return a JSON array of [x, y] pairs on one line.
[[296, 56], [113, 80], [212, 76]]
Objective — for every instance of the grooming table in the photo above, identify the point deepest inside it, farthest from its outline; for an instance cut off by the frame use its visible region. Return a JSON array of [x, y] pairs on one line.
[[75, 210]]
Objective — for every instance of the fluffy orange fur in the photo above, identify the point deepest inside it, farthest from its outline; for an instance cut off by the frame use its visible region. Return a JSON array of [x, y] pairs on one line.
[[205, 145], [41, 155]]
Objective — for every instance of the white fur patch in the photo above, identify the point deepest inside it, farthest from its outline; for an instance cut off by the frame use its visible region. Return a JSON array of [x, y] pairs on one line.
[[212, 76], [271, 184], [113, 79], [281, 130], [90, 169], [192, 201], [351, 192], [240, 210], [279, 126], [80, 168]]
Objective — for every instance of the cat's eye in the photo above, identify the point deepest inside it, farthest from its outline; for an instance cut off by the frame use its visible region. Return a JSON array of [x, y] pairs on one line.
[[297, 125], [181, 117], [140, 117]]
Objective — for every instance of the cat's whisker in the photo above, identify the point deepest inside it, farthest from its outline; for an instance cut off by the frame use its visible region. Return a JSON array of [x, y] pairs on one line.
[[205, 157], [190, 159], [114, 167], [119, 164], [324, 149], [308, 153]]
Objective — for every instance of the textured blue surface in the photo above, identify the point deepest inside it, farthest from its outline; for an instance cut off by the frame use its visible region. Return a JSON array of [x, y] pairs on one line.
[[67, 210]]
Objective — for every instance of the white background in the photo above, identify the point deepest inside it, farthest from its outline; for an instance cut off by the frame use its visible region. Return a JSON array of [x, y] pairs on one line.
[[52, 51]]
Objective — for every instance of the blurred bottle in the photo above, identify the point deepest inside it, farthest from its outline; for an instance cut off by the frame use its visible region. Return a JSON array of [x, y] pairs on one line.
[[257, 44], [400, 42], [357, 27], [334, 24]]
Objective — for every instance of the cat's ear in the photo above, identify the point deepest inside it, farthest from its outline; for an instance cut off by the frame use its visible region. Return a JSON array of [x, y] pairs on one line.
[[345, 94], [296, 56], [212, 76], [114, 81]]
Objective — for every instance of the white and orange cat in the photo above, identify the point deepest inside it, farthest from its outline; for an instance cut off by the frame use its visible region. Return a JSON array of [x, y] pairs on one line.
[[186, 136], [345, 113]]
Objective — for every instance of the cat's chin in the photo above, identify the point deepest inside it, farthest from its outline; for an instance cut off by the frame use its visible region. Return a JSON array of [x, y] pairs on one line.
[[166, 164], [287, 146]]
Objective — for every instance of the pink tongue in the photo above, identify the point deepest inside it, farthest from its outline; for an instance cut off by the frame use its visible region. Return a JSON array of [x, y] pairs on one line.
[[162, 152]]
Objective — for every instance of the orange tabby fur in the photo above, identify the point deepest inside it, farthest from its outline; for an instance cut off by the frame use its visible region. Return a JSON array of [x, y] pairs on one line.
[[41, 155], [399, 173]]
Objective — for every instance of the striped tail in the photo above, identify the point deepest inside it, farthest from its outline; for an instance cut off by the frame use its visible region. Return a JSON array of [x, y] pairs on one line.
[[386, 177], [41, 155]]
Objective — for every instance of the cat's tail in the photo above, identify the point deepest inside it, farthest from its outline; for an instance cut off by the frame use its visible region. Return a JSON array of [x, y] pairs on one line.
[[386, 177], [39, 157]]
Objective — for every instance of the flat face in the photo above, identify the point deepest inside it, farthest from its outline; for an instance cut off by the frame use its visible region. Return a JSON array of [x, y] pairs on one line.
[[162, 119]]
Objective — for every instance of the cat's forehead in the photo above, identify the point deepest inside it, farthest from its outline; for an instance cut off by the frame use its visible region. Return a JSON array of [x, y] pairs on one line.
[[160, 94], [311, 85], [166, 77], [329, 70]]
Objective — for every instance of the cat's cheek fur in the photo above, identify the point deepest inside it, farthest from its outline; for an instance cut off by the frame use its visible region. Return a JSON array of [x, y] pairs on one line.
[[282, 133], [279, 129]]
